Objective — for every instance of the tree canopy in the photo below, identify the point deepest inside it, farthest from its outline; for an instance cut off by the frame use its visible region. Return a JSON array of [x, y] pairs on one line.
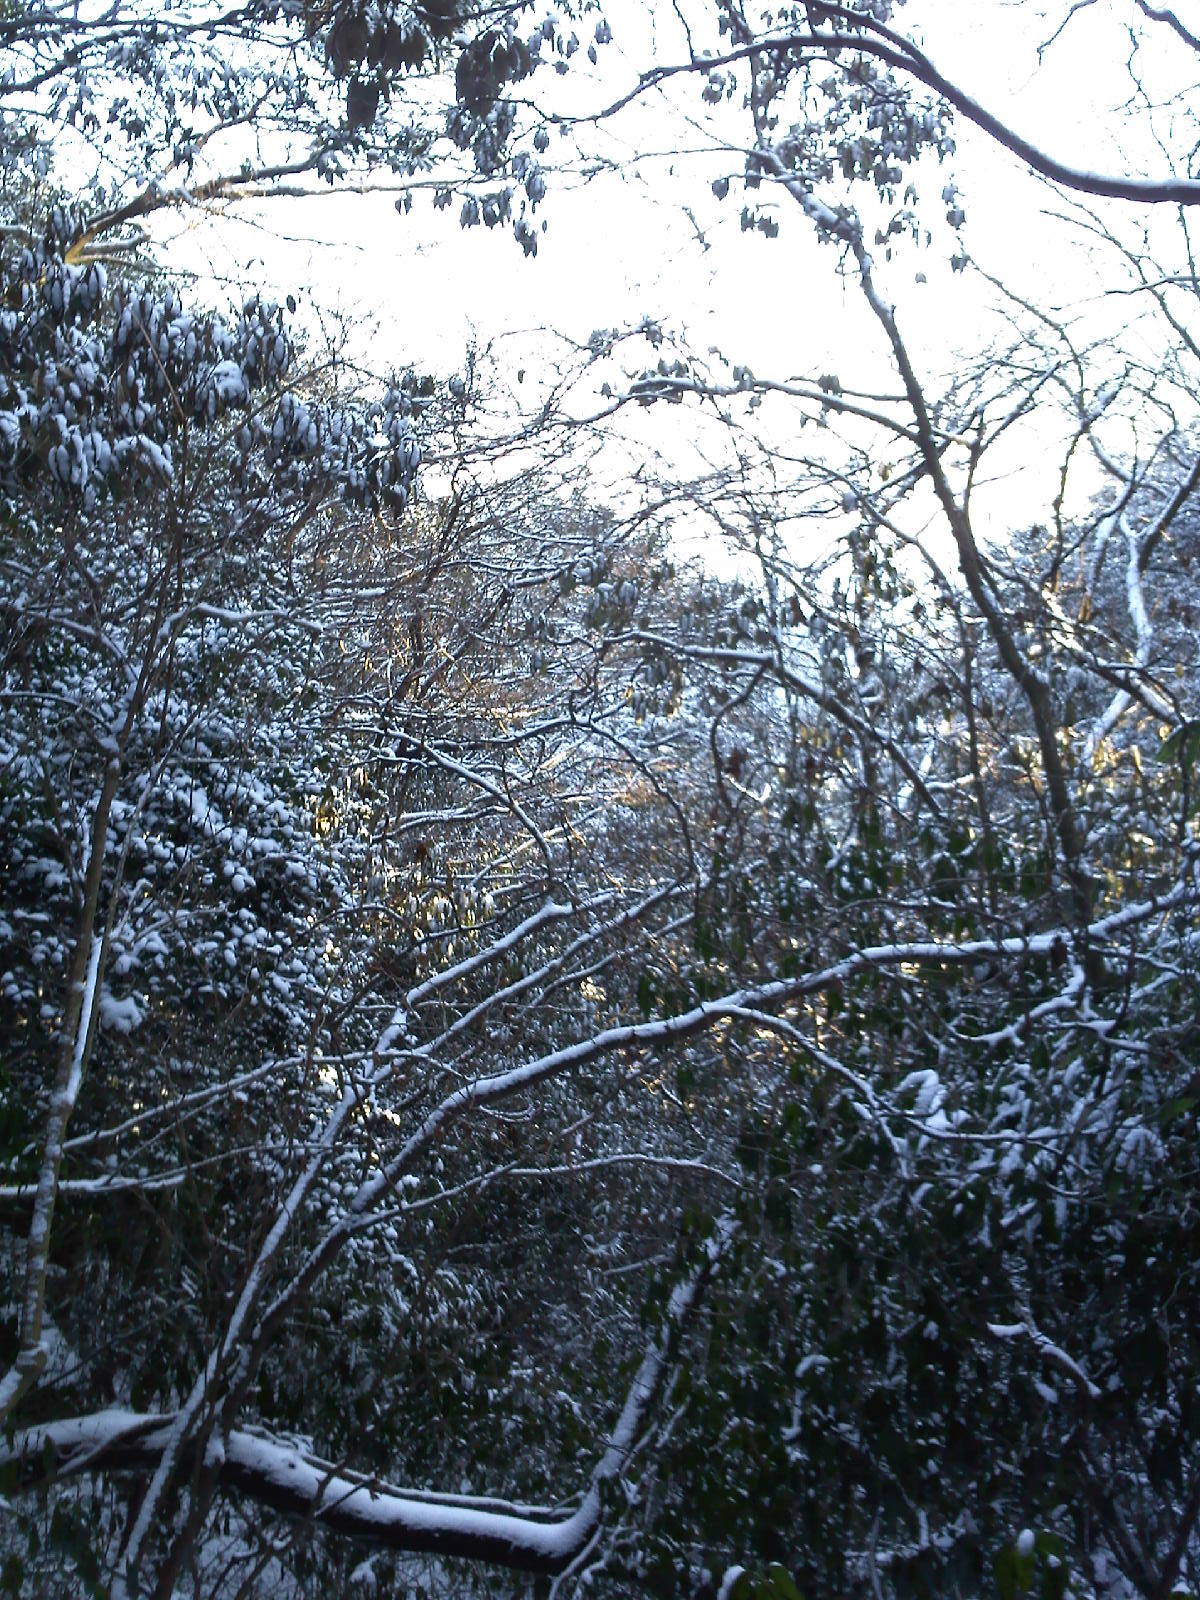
[[576, 1024]]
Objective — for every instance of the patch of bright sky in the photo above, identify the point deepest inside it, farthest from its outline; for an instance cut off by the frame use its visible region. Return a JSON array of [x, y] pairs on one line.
[[646, 236]]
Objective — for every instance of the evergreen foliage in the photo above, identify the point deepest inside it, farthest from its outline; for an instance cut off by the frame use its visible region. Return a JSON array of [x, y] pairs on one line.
[[694, 1078]]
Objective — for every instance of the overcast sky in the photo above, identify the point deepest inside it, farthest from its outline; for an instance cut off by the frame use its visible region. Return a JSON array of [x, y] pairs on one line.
[[650, 238], [625, 242]]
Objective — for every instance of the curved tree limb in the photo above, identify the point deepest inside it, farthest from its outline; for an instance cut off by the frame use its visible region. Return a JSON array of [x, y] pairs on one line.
[[297, 1483]]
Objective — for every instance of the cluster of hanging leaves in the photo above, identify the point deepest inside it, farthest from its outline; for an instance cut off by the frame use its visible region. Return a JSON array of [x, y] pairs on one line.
[[829, 117], [328, 89], [97, 387]]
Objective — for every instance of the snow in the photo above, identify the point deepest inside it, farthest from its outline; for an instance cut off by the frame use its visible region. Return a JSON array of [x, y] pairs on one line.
[[550, 912], [1122, 700], [811, 1363], [95, 1186], [227, 382], [120, 1016], [85, 1019], [283, 1474], [286, 1475], [927, 1088], [393, 1517], [343, 1176], [1050, 1351]]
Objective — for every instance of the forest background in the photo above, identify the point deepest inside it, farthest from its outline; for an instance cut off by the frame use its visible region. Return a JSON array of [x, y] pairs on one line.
[[598, 968]]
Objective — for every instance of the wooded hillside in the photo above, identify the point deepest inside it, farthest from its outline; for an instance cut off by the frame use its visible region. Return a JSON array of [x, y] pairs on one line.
[[595, 1032]]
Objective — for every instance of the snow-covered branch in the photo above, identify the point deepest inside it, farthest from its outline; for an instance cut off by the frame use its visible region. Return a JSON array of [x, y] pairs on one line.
[[289, 1480]]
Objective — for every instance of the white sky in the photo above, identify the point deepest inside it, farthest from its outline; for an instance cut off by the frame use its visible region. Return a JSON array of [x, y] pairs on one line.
[[623, 240], [417, 289]]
